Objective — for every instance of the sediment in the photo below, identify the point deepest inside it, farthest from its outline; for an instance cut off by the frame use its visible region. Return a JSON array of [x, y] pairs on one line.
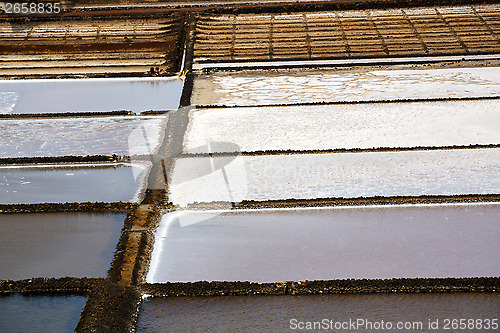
[[65, 285], [67, 114], [359, 201], [356, 286], [64, 159], [110, 308], [102, 207], [382, 101], [334, 151]]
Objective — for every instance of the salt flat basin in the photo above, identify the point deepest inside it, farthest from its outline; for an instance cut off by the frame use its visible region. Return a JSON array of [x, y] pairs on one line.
[[89, 95], [79, 136], [349, 126], [348, 175], [40, 313], [331, 243], [274, 313], [71, 183], [327, 85], [58, 244]]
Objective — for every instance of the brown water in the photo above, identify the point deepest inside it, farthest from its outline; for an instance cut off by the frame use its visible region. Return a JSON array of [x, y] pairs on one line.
[[57, 244], [324, 244], [52, 314], [284, 313], [105, 183]]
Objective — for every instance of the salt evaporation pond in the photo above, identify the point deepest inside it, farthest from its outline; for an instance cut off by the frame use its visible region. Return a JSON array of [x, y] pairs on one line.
[[348, 126], [289, 86], [58, 244], [309, 176], [71, 183], [89, 95], [78, 136], [40, 313], [330, 243], [274, 313]]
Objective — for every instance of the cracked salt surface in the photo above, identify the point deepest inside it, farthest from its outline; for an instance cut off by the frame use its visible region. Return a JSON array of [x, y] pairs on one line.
[[308, 176], [348, 126], [308, 86]]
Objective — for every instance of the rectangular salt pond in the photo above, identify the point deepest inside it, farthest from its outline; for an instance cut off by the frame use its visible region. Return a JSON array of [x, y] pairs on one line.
[[40, 313], [348, 126], [81, 136], [348, 175], [58, 244], [331, 243], [327, 85], [72, 183], [274, 313], [89, 95]]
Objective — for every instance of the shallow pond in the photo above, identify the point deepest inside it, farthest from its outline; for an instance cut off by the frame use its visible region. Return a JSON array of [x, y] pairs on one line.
[[348, 126], [348, 175], [329, 243], [326, 85], [58, 244], [71, 183], [80, 136], [89, 95], [55, 314], [286, 313]]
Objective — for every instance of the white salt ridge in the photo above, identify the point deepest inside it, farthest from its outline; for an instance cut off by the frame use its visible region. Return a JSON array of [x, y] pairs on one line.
[[302, 86], [309, 176], [77, 136], [348, 126]]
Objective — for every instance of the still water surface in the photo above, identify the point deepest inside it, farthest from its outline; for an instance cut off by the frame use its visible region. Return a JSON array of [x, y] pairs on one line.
[[58, 244], [330, 243], [274, 313], [54, 314], [89, 95], [59, 184]]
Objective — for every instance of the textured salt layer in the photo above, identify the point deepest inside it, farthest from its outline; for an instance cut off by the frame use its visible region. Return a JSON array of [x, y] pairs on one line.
[[302, 85], [348, 126], [80, 136], [308, 176]]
